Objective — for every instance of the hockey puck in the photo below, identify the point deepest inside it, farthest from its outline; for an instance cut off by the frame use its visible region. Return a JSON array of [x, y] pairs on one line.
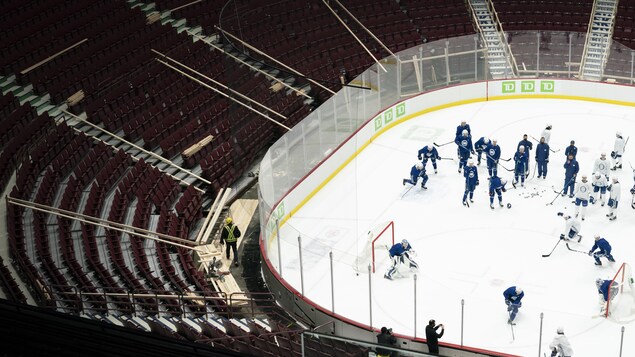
[[509, 205]]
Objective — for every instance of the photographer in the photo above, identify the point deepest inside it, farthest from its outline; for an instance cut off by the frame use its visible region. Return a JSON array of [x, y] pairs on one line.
[[387, 339], [433, 337]]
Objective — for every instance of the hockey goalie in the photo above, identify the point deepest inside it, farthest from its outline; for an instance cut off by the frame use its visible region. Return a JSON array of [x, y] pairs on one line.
[[401, 253]]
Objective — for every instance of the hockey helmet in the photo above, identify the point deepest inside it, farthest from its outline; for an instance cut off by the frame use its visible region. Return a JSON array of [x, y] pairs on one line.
[[548, 126], [603, 154], [614, 179], [419, 165], [228, 220], [596, 236], [464, 132], [521, 148], [519, 290], [597, 175], [485, 139], [598, 282], [404, 243], [560, 330], [430, 147], [470, 162], [619, 133]]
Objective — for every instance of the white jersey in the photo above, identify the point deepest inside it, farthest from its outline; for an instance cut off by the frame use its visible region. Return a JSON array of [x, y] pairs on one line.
[[582, 191], [572, 223], [615, 189], [602, 166], [619, 146], [546, 133], [562, 345], [600, 182]]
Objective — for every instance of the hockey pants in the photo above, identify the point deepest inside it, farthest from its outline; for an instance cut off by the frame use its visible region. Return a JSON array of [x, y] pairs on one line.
[[542, 168]]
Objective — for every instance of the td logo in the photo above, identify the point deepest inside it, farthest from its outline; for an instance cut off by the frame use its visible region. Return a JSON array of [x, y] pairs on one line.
[[389, 115], [508, 87]]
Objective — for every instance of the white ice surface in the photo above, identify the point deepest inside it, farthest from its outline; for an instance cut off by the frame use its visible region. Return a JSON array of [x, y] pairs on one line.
[[471, 253]]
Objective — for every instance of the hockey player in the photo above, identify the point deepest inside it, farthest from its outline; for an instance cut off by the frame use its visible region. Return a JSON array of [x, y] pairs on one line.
[[599, 185], [493, 154], [560, 345], [582, 196], [496, 186], [417, 170], [521, 159], [546, 133], [481, 145], [604, 250], [605, 293], [400, 253], [429, 152], [571, 169], [633, 192], [602, 166], [614, 198], [618, 151], [463, 126], [572, 227], [571, 149], [542, 157], [471, 181], [464, 144], [513, 296], [528, 145]]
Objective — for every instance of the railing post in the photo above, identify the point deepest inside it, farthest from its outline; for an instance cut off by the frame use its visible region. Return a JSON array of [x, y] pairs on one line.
[[622, 340], [302, 343], [415, 303], [370, 296], [332, 284], [538, 54], [301, 266], [279, 250], [540, 334], [632, 63], [569, 63], [462, 315]]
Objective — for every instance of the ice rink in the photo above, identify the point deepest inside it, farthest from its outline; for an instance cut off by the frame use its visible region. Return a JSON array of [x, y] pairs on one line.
[[471, 254]]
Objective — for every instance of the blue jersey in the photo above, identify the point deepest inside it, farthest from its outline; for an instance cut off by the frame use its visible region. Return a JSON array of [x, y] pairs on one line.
[[510, 295], [414, 172], [571, 150], [425, 153], [542, 152], [493, 154], [496, 184], [603, 245], [521, 158], [480, 144], [471, 175], [465, 145], [527, 144], [460, 128], [571, 168], [398, 249], [604, 289]]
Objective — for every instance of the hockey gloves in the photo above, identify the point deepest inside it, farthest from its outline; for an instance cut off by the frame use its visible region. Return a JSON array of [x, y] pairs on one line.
[[554, 352], [613, 154], [562, 236]]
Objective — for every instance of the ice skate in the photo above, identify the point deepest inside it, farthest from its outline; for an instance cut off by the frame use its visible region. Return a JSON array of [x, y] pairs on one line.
[[491, 206], [403, 182]]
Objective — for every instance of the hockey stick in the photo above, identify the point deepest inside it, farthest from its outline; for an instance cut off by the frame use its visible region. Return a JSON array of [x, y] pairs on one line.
[[446, 158], [405, 193], [511, 325], [437, 145], [575, 250], [501, 165], [559, 193], [554, 151], [554, 248]]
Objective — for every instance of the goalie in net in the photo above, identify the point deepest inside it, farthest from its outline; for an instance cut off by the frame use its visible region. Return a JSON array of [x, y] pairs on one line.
[[401, 253], [617, 296]]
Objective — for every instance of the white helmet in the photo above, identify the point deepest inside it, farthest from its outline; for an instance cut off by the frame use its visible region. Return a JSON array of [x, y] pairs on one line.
[[560, 330], [614, 178], [430, 147], [419, 165], [619, 133], [597, 175], [471, 162], [464, 132], [596, 236], [598, 282], [519, 290], [404, 243], [603, 154], [521, 148], [486, 140]]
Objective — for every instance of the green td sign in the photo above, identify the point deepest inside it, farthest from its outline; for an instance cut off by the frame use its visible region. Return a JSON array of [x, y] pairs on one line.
[[531, 86], [389, 115]]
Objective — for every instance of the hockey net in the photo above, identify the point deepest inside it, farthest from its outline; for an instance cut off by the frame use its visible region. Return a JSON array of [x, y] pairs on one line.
[[378, 241], [621, 306]]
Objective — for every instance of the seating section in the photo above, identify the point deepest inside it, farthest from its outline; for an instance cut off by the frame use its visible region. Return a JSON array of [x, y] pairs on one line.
[[10, 287], [531, 15], [625, 24]]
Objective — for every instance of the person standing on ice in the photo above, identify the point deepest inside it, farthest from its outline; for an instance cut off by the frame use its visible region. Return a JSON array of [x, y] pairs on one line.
[[513, 296], [496, 186], [599, 185], [571, 149], [480, 146], [464, 145], [571, 169], [546, 133], [604, 250], [429, 152], [542, 157], [582, 194], [602, 166], [614, 198], [493, 154], [618, 151], [521, 158], [471, 181], [528, 145]]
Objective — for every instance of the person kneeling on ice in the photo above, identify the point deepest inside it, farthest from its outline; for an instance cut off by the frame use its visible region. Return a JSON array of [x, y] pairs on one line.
[[604, 293], [496, 186], [401, 253], [604, 250], [513, 296], [418, 170], [571, 228], [560, 345]]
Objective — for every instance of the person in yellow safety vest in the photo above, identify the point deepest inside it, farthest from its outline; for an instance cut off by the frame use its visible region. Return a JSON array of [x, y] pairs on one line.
[[230, 235]]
